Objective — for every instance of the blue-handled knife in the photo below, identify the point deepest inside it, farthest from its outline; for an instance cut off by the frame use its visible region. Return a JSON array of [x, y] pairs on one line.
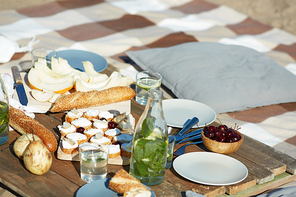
[[187, 125], [19, 85]]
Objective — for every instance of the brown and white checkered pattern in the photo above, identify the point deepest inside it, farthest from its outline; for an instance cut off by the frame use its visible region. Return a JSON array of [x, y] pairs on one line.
[[110, 28]]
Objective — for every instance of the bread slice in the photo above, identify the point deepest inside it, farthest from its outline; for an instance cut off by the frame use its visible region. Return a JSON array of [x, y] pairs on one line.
[[124, 183]]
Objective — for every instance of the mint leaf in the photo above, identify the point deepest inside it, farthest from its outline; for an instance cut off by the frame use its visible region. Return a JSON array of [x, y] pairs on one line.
[[147, 127]]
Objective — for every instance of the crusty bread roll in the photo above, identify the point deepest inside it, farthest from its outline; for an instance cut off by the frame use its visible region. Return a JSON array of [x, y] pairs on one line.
[[80, 100], [123, 183], [25, 124]]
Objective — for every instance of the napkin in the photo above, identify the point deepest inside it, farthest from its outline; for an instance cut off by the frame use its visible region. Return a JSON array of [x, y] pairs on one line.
[[9, 84], [8, 48]]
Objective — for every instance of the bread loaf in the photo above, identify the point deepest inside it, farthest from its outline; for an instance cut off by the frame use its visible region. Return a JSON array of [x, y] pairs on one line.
[[25, 124], [124, 183], [80, 100]]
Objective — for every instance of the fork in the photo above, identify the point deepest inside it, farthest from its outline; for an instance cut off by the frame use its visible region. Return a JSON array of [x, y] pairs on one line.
[[181, 150]]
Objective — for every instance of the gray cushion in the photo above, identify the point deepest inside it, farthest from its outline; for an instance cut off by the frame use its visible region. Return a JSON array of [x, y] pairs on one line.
[[225, 77]]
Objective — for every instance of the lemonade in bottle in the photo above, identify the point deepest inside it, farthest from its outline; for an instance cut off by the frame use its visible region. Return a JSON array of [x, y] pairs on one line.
[[150, 142]]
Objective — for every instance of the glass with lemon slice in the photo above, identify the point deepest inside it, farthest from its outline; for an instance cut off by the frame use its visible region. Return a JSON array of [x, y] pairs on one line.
[[145, 81]]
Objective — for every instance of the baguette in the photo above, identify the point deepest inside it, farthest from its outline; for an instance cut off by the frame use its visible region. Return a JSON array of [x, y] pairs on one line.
[[124, 183], [25, 124], [80, 100]]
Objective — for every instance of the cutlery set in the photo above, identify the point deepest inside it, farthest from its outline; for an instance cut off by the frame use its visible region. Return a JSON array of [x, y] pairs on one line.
[[181, 137]]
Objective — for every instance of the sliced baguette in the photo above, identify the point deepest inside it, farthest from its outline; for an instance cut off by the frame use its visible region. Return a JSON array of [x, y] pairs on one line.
[[124, 183]]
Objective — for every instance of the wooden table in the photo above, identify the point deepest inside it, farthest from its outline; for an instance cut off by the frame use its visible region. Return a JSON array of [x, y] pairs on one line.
[[267, 169]]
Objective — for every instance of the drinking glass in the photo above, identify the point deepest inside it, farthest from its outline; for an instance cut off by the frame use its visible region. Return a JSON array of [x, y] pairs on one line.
[[171, 147], [4, 113], [93, 161], [43, 53], [145, 81]]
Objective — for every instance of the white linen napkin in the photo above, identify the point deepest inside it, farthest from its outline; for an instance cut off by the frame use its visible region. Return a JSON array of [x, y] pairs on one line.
[[8, 48]]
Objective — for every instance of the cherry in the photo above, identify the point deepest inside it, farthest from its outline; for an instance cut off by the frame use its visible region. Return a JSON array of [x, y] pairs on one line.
[[215, 139], [230, 139], [80, 129], [212, 128], [222, 139], [112, 125], [210, 134], [235, 137], [223, 133], [217, 133], [229, 133], [222, 127]]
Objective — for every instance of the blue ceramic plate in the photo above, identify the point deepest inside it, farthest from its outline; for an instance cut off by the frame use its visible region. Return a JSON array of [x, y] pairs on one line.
[[99, 188], [76, 57]]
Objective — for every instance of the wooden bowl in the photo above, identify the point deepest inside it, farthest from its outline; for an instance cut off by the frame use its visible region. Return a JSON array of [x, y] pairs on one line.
[[221, 147]]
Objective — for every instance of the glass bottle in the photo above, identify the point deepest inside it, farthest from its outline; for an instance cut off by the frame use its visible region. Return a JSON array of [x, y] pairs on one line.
[[150, 142], [4, 113]]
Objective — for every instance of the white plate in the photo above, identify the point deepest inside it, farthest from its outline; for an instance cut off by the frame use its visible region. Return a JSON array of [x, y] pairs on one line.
[[99, 188], [76, 57], [210, 168], [177, 111]]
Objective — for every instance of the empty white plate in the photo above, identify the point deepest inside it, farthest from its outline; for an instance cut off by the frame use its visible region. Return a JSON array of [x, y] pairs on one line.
[[177, 111], [210, 168]]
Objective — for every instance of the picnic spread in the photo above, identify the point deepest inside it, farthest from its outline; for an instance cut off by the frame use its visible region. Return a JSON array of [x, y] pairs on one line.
[[216, 64]]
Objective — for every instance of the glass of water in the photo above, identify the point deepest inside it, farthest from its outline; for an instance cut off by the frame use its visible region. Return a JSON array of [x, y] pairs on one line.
[[93, 161], [145, 81], [43, 53]]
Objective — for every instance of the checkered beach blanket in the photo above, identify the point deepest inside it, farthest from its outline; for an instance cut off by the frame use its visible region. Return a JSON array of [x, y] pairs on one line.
[[111, 28]]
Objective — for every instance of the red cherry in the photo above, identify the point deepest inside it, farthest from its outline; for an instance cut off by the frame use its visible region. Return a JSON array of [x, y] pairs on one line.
[[215, 139], [210, 134], [217, 133], [222, 127], [212, 128], [112, 125], [223, 133], [235, 137], [222, 139], [80, 129], [229, 133]]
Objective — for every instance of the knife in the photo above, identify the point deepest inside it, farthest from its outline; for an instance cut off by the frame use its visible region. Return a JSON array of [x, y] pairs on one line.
[[19, 86], [187, 125]]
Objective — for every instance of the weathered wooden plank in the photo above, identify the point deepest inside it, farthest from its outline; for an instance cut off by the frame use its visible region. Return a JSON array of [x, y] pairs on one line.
[[260, 173], [270, 151], [241, 186], [272, 164], [258, 189]]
